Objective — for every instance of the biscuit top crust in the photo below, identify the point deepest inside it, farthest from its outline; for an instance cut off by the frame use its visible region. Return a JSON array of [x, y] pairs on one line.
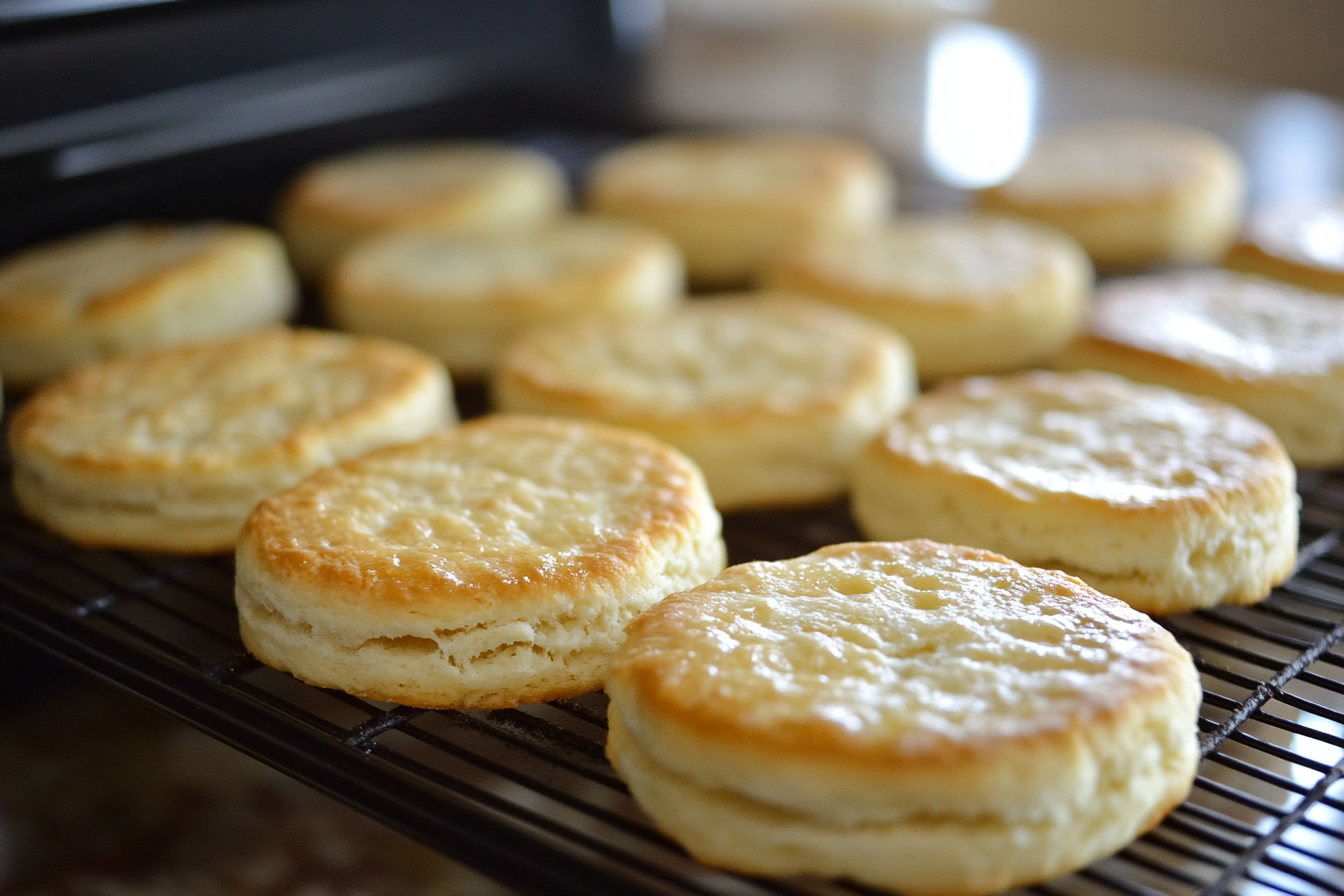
[[752, 170], [271, 397], [1086, 435], [1245, 327], [97, 273], [890, 651], [498, 505], [389, 184], [1116, 161], [1309, 233], [939, 259], [721, 357], [518, 266]]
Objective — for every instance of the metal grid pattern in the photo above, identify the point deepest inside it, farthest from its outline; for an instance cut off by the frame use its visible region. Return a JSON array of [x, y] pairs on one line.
[[526, 795]]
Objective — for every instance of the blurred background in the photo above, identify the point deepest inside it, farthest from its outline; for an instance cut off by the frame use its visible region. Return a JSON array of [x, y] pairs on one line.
[[171, 106], [955, 90]]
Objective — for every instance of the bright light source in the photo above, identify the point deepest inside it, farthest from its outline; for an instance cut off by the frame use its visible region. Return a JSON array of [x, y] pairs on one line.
[[980, 105], [1295, 146]]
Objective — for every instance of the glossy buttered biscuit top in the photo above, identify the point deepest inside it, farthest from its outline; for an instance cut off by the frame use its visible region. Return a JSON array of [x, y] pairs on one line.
[[1299, 242], [773, 396], [488, 566], [1273, 350], [1167, 501], [930, 718], [171, 450], [971, 294]]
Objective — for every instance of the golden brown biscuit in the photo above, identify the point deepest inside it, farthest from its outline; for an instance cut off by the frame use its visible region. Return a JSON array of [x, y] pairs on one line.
[[1275, 351], [1298, 242], [934, 719], [464, 298], [134, 287], [488, 566], [170, 451], [730, 201], [970, 294], [1133, 193], [1167, 501], [451, 186], [773, 396]]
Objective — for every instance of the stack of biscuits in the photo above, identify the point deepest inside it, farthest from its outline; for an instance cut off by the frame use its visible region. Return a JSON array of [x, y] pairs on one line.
[[808, 716]]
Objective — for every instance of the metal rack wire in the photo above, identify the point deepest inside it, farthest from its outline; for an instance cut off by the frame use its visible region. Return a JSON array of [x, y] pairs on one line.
[[527, 796]]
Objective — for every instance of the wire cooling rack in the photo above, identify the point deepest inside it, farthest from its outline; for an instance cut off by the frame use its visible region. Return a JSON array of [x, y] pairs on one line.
[[526, 795]]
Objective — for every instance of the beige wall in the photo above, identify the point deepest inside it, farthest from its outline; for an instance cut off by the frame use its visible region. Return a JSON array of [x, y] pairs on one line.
[[1273, 43]]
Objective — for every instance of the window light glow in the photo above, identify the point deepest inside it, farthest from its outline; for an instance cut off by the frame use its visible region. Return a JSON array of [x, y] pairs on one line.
[[980, 105]]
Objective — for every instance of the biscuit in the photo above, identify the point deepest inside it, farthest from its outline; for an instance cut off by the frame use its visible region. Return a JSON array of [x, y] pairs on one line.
[[1133, 193], [773, 396], [134, 287], [1275, 351], [465, 298], [933, 719], [483, 567], [170, 451], [1301, 243], [463, 187], [970, 294], [1167, 501], [730, 201]]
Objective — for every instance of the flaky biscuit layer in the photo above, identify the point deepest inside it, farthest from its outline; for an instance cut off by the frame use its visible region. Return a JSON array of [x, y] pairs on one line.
[[1273, 350], [172, 450], [1167, 501], [929, 718], [970, 294], [773, 396], [482, 567]]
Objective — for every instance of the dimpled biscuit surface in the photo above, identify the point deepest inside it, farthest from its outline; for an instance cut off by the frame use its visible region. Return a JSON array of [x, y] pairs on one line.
[[971, 294], [1162, 499], [172, 450], [903, 697], [1273, 350], [721, 357], [772, 395], [1247, 327], [488, 566], [1089, 438], [220, 407]]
